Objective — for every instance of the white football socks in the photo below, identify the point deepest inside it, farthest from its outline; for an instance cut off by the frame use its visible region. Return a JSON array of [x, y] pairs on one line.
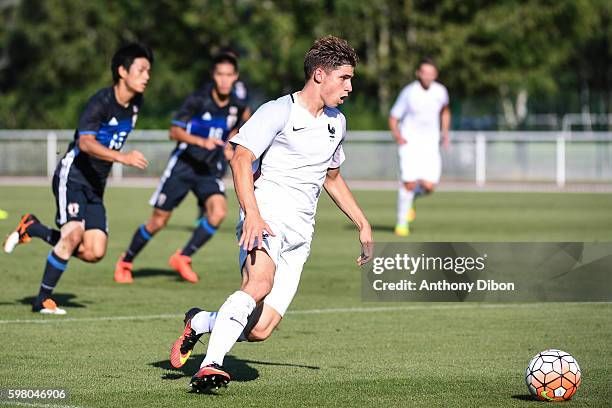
[[230, 322], [404, 203], [203, 322]]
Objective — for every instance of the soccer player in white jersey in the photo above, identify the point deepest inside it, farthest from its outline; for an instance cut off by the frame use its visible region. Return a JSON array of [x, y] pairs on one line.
[[415, 121], [295, 145]]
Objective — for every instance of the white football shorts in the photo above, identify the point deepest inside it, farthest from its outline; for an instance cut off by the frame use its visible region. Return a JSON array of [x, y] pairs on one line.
[[418, 162], [289, 250]]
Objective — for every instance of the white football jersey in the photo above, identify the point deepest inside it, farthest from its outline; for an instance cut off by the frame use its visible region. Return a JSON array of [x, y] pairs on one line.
[[418, 110], [295, 150]]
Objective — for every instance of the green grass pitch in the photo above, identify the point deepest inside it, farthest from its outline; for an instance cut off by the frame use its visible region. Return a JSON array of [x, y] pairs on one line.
[[112, 348]]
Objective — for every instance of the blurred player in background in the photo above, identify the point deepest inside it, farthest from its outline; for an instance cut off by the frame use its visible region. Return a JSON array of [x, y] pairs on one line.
[[205, 122], [419, 113], [80, 177], [239, 89], [296, 144], [241, 93]]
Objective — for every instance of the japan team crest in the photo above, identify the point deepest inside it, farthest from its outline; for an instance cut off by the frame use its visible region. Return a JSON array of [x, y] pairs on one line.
[[73, 209]]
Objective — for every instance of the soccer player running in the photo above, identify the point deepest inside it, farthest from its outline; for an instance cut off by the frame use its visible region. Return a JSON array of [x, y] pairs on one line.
[[201, 128], [295, 143], [415, 124], [80, 177], [241, 93]]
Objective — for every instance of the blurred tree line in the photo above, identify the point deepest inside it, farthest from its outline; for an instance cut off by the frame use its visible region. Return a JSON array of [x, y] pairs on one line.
[[499, 59]]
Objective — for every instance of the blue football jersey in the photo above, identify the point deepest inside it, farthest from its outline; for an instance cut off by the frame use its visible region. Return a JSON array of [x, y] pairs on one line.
[[111, 124], [200, 116]]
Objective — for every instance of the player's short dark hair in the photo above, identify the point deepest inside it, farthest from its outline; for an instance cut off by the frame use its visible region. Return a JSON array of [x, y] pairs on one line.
[[426, 61], [229, 50], [125, 56], [328, 53], [224, 58]]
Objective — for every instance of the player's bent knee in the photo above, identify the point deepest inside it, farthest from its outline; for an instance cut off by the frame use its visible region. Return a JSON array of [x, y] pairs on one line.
[[429, 187], [217, 217], [260, 334], [93, 248], [90, 257], [410, 186], [158, 220], [258, 291], [91, 254], [156, 224], [97, 254], [268, 321], [72, 239]]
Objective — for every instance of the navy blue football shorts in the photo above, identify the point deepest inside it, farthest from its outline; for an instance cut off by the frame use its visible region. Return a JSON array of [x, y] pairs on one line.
[[78, 202], [178, 179]]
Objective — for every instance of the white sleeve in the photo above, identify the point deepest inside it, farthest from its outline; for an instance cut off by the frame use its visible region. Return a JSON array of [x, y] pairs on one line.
[[444, 96], [258, 133], [339, 157], [401, 103]]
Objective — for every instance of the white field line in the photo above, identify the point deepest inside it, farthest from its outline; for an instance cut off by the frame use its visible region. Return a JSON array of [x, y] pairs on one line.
[[55, 319], [36, 404]]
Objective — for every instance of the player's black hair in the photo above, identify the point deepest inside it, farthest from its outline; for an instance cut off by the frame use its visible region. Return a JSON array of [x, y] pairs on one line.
[[426, 61], [224, 58], [328, 53], [125, 56], [229, 50]]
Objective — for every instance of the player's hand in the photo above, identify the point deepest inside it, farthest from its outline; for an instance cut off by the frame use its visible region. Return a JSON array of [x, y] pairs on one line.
[[210, 143], [401, 141], [367, 245], [253, 229], [134, 159]]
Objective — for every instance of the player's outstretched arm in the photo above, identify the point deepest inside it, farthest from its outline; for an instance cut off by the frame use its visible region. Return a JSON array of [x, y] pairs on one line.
[[253, 225], [88, 144], [343, 197], [180, 135]]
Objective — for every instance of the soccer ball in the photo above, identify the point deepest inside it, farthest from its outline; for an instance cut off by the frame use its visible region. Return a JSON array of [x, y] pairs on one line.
[[552, 375]]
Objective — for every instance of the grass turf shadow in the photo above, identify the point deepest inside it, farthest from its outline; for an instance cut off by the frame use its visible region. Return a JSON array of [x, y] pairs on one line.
[[240, 370], [149, 272], [525, 397], [375, 227], [62, 299]]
